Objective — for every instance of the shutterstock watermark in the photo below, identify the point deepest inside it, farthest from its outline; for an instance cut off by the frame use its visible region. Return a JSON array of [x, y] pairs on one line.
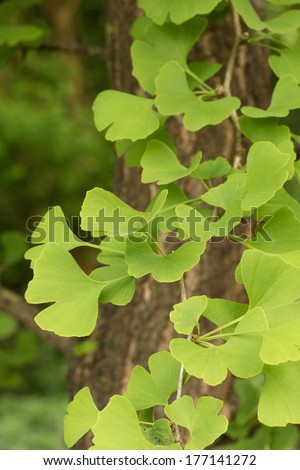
[[196, 227]]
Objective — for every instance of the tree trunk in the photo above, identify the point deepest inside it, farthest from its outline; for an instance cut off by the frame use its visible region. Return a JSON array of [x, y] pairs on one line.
[[128, 335]]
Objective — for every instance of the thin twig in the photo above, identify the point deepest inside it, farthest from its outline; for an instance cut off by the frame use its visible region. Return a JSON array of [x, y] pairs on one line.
[[227, 86], [79, 49], [178, 437]]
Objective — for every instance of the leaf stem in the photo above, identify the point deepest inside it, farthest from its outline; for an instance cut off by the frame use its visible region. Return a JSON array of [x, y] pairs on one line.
[[222, 327], [227, 86], [178, 437], [199, 80]]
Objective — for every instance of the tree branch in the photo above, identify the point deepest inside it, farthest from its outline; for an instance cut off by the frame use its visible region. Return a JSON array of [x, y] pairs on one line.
[[227, 86], [80, 49], [23, 313]]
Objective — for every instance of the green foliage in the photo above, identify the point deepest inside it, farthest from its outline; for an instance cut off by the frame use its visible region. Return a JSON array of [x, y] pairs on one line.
[[254, 340]]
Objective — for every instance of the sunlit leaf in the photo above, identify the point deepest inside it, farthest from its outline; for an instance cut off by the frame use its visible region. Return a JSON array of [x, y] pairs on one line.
[[82, 415], [58, 278], [178, 10], [203, 422], [185, 315], [162, 44], [286, 96], [142, 260], [124, 116], [160, 164], [175, 97], [118, 427]]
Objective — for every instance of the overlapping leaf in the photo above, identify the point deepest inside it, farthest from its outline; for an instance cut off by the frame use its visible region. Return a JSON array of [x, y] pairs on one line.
[[82, 415], [213, 169], [104, 213], [185, 315], [281, 24], [145, 389], [280, 234], [58, 278], [118, 427], [160, 164], [240, 354], [287, 62], [281, 393], [203, 422], [286, 96], [175, 97], [142, 260], [118, 288], [124, 116], [178, 10], [162, 44], [53, 228]]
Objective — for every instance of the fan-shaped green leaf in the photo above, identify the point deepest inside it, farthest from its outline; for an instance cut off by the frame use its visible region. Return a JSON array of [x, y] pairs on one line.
[[281, 393], [287, 62], [118, 287], [178, 10], [82, 415], [280, 233], [126, 116], [58, 278], [118, 428], [185, 315], [175, 97], [281, 24], [142, 260], [213, 169], [264, 158], [104, 213], [162, 44], [269, 281], [286, 96], [155, 388], [160, 164], [53, 228], [203, 421]]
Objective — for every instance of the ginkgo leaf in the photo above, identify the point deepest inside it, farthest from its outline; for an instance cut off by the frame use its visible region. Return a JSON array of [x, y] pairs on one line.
[[118, 427], [213, 169], [145, 389], [118, 288], [175, 97], [82, 415], [178, 10], [142, 260], [104, 213], [281, 24], [160, 164], [287, 62], [203, 422], [281, 393], [52, 228], [281, 199], [267, 129], [224, 195], [162, 44], [280, 233], [58, 278], [185, 315], [264, 158], [126, 116], [286, 96], [240, 354], [269, 281], [193, 224]]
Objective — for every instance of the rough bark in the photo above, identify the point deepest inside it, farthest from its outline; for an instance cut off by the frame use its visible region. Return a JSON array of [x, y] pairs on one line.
[[128, 335]]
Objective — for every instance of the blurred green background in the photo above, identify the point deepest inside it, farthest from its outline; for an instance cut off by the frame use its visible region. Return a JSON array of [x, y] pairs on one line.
[[50, 154]]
